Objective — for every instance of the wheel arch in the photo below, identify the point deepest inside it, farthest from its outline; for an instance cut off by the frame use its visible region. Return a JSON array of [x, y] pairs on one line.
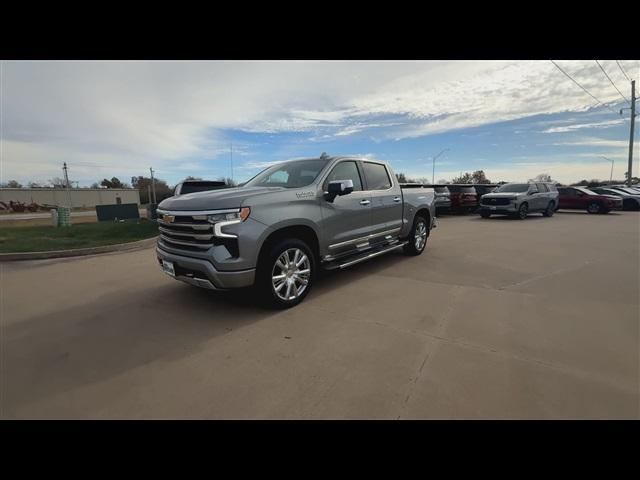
[[426, 213], [300, 231]]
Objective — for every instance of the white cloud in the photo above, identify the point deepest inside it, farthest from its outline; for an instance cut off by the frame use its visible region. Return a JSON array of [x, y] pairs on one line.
[[125, 116], [580, 126], [595, 142]]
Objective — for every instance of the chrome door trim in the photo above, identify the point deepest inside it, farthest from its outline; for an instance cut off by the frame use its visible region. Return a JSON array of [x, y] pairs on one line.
[[366, 238]]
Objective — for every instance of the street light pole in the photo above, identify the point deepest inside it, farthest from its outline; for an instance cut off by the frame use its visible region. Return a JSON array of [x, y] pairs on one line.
[[611, 176], [433, 173]]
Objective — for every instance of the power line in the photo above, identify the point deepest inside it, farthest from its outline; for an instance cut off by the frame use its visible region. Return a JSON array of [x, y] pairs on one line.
[[622, 70], [586, 91], [614, 85]]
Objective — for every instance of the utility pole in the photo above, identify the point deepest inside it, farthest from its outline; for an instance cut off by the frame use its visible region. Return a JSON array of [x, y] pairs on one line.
[[153, 185], [66, 182], [433, 173], [633, 121]]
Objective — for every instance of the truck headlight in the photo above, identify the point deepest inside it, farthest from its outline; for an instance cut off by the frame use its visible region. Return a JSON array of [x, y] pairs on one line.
[[241, 214]]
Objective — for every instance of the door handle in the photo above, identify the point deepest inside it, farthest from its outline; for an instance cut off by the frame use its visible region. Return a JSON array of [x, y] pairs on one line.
[[397, 199], [365, 202]]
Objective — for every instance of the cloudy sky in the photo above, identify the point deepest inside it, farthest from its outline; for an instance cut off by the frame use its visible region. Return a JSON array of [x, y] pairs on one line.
[[512, 119]]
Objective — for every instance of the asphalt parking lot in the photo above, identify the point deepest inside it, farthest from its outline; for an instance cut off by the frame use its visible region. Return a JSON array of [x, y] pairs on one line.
[[499, 318]]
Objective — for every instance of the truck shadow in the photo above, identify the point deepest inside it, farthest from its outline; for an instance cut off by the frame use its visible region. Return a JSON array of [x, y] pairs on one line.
[[74, 347], [89, 343]]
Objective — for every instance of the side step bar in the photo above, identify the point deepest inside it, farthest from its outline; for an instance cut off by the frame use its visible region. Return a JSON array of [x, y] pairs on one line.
[[352, 260]]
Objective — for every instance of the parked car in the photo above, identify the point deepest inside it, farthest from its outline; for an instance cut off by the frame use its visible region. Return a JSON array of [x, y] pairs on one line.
[[192, 186], [443, 198], [520, 199], [635, 188], [630, 201], [287, 222], [629, 190], [463, 198], [580, 198]]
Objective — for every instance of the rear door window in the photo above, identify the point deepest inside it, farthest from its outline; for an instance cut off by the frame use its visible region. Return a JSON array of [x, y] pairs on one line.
[[377, 176]]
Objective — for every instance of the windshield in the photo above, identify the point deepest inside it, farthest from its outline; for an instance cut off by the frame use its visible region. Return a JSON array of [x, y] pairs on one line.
[[585, 190], [288, 175], [630, 191], [513, 188]]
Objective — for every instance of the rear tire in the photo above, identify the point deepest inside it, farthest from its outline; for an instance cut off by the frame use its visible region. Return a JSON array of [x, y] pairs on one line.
[[485, 214], [594, 207], [551, 209], [417, 237], [285, 273]]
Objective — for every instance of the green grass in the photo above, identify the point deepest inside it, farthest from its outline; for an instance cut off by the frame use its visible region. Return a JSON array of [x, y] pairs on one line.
[[39, 239]]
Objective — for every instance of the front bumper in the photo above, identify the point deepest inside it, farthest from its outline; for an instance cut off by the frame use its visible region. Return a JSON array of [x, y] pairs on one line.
[[499, 209], [202, 273]]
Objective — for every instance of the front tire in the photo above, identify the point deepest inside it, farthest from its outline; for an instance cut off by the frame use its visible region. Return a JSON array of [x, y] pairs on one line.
[[485, 214], [417, 237], [523, 211], [285, 274]]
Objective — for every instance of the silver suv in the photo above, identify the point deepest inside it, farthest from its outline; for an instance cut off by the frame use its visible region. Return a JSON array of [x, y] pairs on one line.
[[520, 199]]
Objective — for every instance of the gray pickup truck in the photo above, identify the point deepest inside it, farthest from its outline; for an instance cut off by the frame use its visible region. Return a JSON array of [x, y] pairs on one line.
[[275, 231]]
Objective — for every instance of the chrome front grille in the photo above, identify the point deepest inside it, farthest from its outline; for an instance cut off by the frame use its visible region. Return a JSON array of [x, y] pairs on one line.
[[193, 232]]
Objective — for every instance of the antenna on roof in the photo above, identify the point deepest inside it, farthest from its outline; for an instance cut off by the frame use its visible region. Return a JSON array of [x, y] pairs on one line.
[[324, 156]]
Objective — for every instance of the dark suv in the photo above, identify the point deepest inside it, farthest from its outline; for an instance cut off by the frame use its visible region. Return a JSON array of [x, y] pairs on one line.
[[463, 198], [443, 198], [192, 186]]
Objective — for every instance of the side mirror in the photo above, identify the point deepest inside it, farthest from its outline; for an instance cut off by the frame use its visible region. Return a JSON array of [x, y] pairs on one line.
[[337, 188]]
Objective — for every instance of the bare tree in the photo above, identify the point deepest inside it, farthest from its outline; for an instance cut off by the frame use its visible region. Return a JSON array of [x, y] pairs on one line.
[[542, 177], [11, 184]]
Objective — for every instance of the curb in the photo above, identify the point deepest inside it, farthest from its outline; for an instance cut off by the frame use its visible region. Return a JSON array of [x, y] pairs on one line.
[[118, 247]]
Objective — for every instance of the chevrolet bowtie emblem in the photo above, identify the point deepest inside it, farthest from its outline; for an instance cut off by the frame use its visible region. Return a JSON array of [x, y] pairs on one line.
[[169, 218]]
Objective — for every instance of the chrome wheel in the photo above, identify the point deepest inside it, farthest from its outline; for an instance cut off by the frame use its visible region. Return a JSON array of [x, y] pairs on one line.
[[420, 237], [290, 274]]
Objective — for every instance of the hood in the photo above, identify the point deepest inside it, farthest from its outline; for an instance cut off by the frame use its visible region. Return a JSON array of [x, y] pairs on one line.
[[215, 199]]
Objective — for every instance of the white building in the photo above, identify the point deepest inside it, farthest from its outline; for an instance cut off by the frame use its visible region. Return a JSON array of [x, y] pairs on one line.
[[80, 197]]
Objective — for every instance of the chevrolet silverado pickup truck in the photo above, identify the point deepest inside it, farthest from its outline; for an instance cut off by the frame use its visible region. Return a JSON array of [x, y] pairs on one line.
[[279, 228]]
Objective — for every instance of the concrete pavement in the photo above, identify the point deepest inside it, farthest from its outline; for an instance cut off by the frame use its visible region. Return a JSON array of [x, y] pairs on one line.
[[499, 318]]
